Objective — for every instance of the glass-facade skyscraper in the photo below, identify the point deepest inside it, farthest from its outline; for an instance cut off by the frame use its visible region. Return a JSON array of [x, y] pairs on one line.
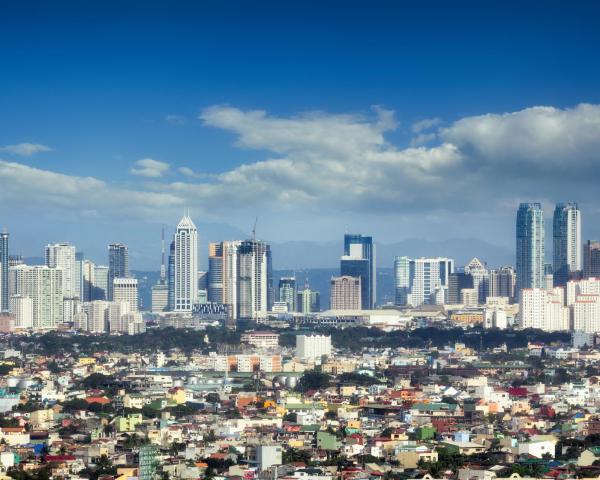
[[530, 246], [359, 261], [567, 242], [118, 264]]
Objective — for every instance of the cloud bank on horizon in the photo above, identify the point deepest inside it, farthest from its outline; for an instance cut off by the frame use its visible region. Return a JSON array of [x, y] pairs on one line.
[[329, 166]]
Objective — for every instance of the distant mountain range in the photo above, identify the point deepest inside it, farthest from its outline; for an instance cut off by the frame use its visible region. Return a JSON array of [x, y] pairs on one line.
[[297, 255]]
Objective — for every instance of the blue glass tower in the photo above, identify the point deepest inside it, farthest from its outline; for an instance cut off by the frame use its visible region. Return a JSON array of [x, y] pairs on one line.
[[359, 261], [530, 246]]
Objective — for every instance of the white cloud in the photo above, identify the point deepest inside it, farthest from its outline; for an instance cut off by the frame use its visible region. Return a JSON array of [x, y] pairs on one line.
[[340, 166], [425, 124], [150, 168], [23, 185], [25, 149], [188, 172]]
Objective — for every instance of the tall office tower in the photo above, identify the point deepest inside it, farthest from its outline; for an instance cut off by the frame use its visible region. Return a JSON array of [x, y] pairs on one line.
[[591, 259], [21, 308], [530, 246], [543, 309], [126, 290], [186, 265], [79, 259], [428, 279], [44, 286], [345, 293], [4, 265], [288, 292], [215, 272], [359, 261], [481, 278], [171, 277], [308, 301], [401, 280], [160, 298], [567, 242], [502, 283], [457, 282], [118, 264], [100, 285], [62, 256], [255, 281], [88, 279]]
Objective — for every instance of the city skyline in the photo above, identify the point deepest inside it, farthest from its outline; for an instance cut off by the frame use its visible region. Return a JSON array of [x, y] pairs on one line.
[[109, 144]]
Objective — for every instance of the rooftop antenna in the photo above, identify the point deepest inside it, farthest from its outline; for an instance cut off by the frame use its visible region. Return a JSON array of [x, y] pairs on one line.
[[254, 229]]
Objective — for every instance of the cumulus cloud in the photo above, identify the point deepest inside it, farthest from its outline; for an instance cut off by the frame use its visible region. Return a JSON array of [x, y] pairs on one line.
[[188, 172], [27, 186], [147, 167], [333, 166], [425, 124], [25, 149]]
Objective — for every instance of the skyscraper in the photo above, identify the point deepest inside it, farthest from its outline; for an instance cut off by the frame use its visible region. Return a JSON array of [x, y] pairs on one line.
[[567, 242], [422, 280], [118, 264], [530, 246], [255, 287], [215, 272], [591, 259], [457, 282], [126, 290], [4, 298], [186, 265], [44, 286], [288, 292], [345, 293], [359, 261], [309, 301], [171, 278], [481, 278], [502, 283], [63, 257]]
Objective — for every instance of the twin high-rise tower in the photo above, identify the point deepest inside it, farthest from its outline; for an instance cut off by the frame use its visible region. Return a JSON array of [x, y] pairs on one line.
[[566, 229]]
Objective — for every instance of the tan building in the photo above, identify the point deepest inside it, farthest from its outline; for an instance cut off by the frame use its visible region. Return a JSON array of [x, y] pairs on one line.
[[345, 293]]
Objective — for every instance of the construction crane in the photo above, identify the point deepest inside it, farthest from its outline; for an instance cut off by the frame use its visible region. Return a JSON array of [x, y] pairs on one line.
[[254, 229]]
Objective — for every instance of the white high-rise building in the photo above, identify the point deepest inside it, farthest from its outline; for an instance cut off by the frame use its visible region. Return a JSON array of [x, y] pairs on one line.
[[115, 313], [97, 316], [21, 308], [543, 309], [567, 242], [427, 280], [313, 346], [63, 256], [126, 290], [44, 286], [186, 265], [586, 313], [255, 282], [588, 286]]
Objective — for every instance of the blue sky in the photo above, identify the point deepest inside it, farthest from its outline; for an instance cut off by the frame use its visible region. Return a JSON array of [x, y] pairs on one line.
[[284, 109]]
